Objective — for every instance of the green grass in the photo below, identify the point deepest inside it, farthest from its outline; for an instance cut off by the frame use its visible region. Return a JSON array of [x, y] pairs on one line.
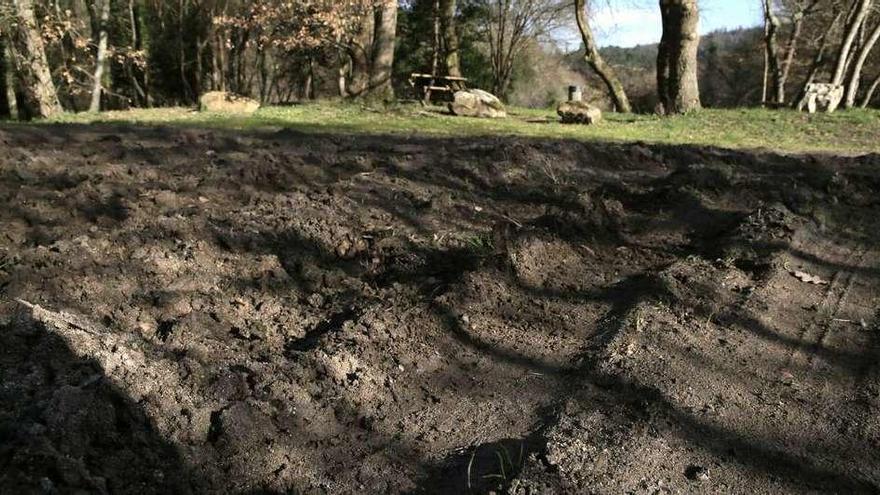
[[850, 131]]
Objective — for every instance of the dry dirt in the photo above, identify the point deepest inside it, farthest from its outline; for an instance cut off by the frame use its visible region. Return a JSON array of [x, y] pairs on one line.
[[205, 311]]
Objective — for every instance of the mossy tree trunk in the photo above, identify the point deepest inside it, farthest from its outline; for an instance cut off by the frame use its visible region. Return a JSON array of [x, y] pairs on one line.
[[31, 63], [360, 52], [383, 51]]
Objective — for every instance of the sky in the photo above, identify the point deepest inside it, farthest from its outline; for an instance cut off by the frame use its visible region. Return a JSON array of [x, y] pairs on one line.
[[636, 22]]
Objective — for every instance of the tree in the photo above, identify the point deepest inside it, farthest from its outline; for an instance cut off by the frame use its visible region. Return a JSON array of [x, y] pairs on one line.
[[360, 48], [869, 95], [437, 41], [597, 63], [508, 25], [819, 58], [135, 60], [31, 64], [852, 87], [102, 21], [451, 59], [772, 67], [677, 83], [276, 45], [860, 12], [802, 9], [5, 87], [383, 51]]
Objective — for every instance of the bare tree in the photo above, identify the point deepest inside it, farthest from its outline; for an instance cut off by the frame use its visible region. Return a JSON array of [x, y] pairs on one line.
[[778, 61], [31, 63], [860, 12], [772, 68], [508, 25], [867, 46], [869, 95], [802, 9], [101, 58], [677, 83], [819, 58], [597, 63]]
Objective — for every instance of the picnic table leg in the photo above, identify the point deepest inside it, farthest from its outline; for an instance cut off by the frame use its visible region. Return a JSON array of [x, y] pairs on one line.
[[428, 93]]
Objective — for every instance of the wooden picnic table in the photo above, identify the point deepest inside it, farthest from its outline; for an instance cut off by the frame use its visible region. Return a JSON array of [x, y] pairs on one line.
[[426, 84]]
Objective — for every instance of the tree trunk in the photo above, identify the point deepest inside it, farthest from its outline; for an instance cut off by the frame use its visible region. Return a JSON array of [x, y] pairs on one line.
[[143, 43], [435, 41], [360, 51], [383, 51], [870, 94], [200, 66], [181, 53], [100, 58], [797, 28], [843, 55], [5, 110], [852, 88], [771, 49], [306, 92], [677, 82], [222, 69], [31, 63], [341, 71], [765, 76], [435, 50], [131, 67], [10, 81], [597, 63], [450, 38]]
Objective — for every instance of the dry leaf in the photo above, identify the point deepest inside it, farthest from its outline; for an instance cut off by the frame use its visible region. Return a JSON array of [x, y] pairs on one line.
[[810, 279]]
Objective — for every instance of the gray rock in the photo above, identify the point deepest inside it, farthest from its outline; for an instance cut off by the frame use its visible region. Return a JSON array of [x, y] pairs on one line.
[[477, 103], [823, 97], [579, 112]]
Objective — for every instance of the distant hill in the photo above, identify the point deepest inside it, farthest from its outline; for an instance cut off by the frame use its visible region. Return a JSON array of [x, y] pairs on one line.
[[645, 56], [731, 68]]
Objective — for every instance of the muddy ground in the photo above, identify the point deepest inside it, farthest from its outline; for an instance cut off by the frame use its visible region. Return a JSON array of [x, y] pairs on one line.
[[202, 311]]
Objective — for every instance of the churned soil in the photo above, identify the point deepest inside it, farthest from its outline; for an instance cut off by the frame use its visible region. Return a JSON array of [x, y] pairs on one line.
[[202, 311]]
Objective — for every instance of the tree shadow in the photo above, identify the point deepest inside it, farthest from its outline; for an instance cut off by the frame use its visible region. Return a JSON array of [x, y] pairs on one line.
[[65, 427]]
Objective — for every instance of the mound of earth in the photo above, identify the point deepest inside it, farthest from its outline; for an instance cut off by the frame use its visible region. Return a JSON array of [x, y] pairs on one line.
[[201, 311]]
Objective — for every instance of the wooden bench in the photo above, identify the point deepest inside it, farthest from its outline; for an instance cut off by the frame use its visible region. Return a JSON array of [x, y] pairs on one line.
[[426, 84]]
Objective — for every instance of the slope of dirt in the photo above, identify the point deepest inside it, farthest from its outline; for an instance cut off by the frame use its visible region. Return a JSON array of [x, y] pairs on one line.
[[197, 311]]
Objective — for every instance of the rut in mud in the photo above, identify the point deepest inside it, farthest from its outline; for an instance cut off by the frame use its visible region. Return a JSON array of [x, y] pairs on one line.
[[208, 311]]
